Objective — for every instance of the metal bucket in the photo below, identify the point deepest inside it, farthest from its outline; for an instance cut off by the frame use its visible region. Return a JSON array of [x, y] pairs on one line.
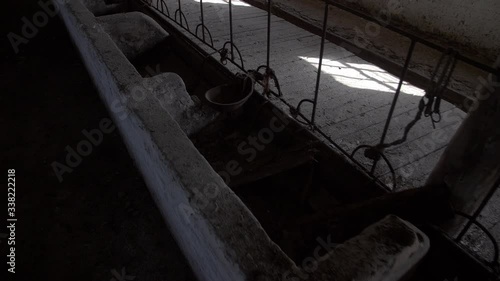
[[229, 97]]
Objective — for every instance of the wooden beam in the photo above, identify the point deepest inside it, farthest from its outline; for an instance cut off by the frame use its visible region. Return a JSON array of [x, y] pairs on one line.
[[425, 204], [282, 164]]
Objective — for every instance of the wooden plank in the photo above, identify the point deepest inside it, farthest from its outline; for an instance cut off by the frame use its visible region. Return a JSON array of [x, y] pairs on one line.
[[407, 204]]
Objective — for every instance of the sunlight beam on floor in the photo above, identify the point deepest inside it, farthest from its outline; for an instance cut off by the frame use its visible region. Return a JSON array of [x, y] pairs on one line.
[[363, 76]]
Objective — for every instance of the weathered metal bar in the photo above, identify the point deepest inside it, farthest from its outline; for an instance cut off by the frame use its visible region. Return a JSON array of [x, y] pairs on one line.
[[321, 53], [231, 28], [398, 91], [202, 19], [268, 32], [396, 97]]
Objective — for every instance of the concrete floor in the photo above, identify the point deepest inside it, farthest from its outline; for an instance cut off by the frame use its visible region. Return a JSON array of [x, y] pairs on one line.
[[355, 95], [101, 218]]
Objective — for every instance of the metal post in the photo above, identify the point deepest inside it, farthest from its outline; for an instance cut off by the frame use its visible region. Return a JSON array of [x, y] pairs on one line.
[[322, 48], [268, 31], [202, 20], [231, 29], [396, 97]]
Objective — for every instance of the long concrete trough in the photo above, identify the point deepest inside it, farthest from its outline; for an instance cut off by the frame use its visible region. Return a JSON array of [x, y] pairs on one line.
[[220, 237]]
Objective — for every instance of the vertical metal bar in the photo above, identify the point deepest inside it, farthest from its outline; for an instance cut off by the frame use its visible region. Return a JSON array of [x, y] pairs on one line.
[[322, 49], [180, 13], [398, 91], [268, 32], [202, 20], [396, 97], [231, 28]]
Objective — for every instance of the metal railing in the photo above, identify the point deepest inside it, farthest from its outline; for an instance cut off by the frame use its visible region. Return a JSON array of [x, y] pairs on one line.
[[428, 106]]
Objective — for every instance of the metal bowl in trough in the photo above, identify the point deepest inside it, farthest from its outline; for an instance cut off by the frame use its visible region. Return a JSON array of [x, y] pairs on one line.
[[229, 97]]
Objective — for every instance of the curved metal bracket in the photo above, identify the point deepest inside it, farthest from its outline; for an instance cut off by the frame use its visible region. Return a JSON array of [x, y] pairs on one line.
[[181, 17], [161, 4], [496, 251], [295, 111], [233, 46], [269, 74], [375, 153], [203, 29], [303, 101]]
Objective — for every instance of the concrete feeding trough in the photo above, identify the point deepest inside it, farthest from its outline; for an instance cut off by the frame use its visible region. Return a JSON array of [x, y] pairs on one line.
[[229, 210], [229, 97]]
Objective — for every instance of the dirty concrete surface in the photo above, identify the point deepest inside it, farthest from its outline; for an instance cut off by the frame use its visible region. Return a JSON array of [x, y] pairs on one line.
[[118, 224], [99, 223], [354, 94]]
